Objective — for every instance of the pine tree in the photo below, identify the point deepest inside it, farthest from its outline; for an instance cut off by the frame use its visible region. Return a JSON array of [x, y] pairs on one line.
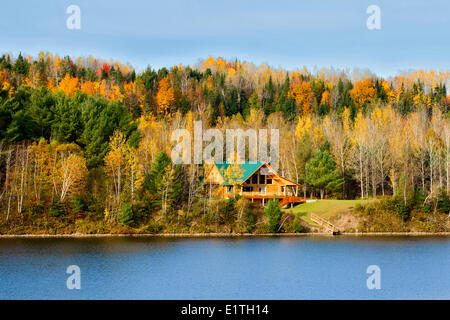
[[321, 173], [21, 66], [273, 213]]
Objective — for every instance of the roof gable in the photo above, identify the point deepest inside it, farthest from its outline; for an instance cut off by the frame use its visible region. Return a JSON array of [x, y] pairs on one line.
[[248, 169]]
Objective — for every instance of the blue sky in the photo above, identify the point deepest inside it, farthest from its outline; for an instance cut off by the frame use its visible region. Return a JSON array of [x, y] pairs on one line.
[[415, 34]]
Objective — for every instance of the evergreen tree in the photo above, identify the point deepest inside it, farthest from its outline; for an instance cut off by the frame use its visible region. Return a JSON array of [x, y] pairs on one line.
[[321, 173], [154, 179], [184, 105], [268, 97], [22, 127], [165, 184], [67, 125], [443, 202], [5, 62], [273, 213], [21, 66], [100, 119], [303, 153]]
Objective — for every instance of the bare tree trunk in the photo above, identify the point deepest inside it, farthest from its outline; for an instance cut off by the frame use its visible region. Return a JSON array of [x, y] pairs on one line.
[[431, 171], [24, 164], [422, 171], [367, 178], [374, 184], [361, 173], [7, 173], [382, 171], [9, 206], [404, 183]]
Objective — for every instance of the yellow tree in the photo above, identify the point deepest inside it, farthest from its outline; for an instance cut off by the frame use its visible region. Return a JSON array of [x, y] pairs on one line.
[[434, 145], [110, 92], [363, 92], [418, 125], [150, 130], [165, 96], [135, 170], [90, 87], [381, 119], [399, 138], [69, 170], [115, 162], [389, 92], [307, 125], [438, 123], [304, 126], [69, 85], [303, 95], [134, 94], [40, 166], [359, 140], [325, 100]]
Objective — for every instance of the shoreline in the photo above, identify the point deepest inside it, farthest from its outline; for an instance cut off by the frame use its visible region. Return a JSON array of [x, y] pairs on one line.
[[220, 235]]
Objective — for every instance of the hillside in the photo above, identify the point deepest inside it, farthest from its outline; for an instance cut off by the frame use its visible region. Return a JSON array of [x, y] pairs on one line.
[[326, 209]]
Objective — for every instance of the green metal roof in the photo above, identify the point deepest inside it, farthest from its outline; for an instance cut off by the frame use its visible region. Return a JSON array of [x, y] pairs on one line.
[[248, 169]]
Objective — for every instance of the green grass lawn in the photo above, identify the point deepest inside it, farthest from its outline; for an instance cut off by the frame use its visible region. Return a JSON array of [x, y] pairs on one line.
[[324, 208]]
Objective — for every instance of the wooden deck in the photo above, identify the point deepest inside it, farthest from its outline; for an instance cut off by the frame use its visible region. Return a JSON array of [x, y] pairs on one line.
[[284, 200]]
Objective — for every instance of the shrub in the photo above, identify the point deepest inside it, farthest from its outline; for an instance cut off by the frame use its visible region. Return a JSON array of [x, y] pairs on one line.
[[57, 209], [396, 205], [369, 209], [297, 225], [228, 212], [37, 208], [248, 222], [126, 216], [154, 227], [78, 204], [403, 212], [443, 202], [273, 214]]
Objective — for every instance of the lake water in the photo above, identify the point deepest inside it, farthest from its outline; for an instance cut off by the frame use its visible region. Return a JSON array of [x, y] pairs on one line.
[[226, 268]]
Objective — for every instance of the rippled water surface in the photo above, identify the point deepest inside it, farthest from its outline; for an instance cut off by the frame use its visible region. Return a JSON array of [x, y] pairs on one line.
[[226, 268]]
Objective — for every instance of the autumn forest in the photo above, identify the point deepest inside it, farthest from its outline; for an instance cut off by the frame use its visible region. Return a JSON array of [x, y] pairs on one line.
[[85, 143]]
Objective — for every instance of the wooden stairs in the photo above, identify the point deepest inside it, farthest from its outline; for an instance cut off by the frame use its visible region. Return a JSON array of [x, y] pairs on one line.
[[325, 224]]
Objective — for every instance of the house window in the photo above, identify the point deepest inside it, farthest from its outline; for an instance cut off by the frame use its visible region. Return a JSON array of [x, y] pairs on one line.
[[247, 189], [229, 189], [269, 181], [262, 179], [262, 189], [254, 179], [247, 181], [283, 189]]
